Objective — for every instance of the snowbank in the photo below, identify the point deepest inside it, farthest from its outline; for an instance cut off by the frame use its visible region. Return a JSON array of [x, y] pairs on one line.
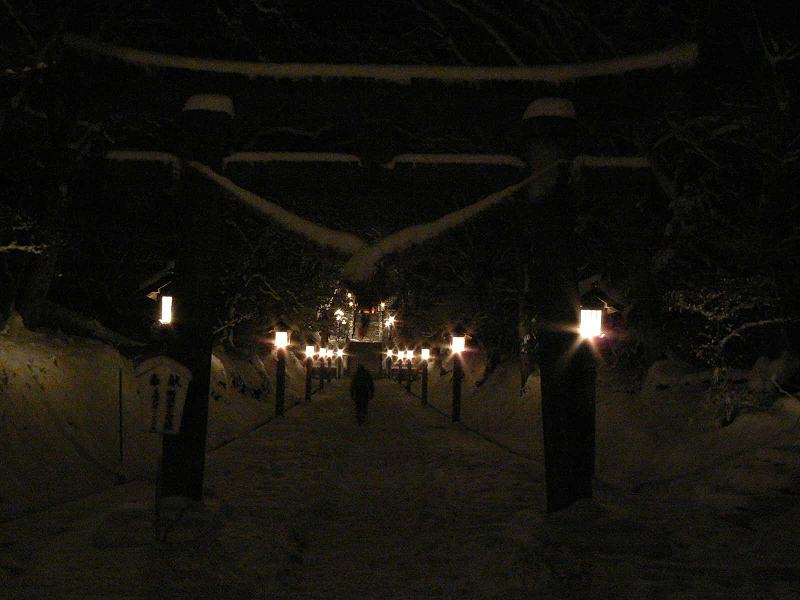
[[63, 399], [664, 440]]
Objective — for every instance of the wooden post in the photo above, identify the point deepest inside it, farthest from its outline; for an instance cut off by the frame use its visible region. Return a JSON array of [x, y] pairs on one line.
[[205, 130], [567, 381], [458, 376], [410, 376], [280, 382], [424, 392], [309, 373]]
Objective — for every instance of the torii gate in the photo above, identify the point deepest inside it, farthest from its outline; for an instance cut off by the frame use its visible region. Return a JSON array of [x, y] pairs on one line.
[[568, 376]]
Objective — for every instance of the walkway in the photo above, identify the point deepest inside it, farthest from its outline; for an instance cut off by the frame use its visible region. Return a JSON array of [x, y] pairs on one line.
[[410, 506]]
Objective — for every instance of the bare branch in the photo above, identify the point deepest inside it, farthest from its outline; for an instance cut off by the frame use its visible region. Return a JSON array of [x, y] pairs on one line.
[[489, 29]]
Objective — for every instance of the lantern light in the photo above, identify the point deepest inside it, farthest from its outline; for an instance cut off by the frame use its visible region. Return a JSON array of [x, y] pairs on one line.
[[409, 354], [591, 321], [340, 352], [390, 320], [166, 310], [383, 305], [281, 339], [426, 354], [457, 345], [394, 351], [309, 350], [323, 352]]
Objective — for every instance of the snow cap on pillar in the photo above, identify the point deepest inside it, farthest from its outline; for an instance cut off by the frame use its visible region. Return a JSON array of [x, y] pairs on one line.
[[550, 117], [206, 127], [211, 102]]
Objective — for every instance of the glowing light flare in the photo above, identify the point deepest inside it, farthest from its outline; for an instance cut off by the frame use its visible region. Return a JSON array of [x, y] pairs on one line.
[[390, 321], [383, 305], [281, 339], [457, 345], [310, 351], [166, 310], [340, 352], [323, 352], [591, 323], [425, 354], [394, 352]]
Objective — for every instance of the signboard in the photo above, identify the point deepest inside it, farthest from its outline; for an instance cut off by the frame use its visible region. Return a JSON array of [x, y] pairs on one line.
[[161, 386]]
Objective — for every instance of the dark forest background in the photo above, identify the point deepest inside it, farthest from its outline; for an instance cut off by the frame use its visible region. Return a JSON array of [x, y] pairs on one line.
[[704, 251]]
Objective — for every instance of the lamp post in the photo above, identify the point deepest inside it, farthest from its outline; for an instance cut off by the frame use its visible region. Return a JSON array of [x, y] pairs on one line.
[[425, 355], [281, 342], [457, 347], [323, 352], [409, 363], [309, 370]]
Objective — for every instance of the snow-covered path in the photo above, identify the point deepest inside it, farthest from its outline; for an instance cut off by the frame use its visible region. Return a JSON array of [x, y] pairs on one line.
[[409, 506]]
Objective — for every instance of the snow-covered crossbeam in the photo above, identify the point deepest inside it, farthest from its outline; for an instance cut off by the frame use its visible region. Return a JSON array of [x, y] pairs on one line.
[[291, 157], [502, 160], [683, 55], [340, 241]]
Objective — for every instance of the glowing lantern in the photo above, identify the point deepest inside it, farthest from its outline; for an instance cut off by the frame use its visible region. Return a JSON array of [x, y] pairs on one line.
[[409, 354], [281, 339], [323, 352], [383, 305], [591, 321], [394, 352], [390, 321], [340, 352], [166, 310], [309, 350], [426, 353], [457, 345]]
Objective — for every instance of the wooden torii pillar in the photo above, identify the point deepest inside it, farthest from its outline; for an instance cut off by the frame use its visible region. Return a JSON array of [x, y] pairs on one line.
[[204, 136], [566, 364]]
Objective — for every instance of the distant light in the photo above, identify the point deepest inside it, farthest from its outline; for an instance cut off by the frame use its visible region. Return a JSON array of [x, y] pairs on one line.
[[166, 310], [383, 305], [426, 353], [340, 352], [394, 352], [339, 312], [457, 344], [390, 320], [310, 351], [409, 354], [591, 323], [281, 339], [349, 295], [323, 352]]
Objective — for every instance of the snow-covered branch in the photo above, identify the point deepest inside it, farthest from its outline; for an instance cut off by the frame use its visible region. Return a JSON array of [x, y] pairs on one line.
[[677, 56], [16, 247], [752, 325], [341, 241]]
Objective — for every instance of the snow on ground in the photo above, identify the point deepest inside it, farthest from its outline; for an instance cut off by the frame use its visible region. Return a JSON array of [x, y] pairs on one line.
[[60, 413], [409, 506]]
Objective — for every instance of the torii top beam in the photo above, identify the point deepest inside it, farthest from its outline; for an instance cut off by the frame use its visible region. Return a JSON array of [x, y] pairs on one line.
[[683, 55]]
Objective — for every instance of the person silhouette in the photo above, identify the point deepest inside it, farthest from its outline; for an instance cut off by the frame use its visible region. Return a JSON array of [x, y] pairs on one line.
[[362, 390]]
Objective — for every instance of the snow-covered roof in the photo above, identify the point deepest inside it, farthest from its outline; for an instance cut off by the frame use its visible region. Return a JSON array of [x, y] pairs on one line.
[[681, 55], [211, 102], [550, 107], [456, 159], [264, 157]]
